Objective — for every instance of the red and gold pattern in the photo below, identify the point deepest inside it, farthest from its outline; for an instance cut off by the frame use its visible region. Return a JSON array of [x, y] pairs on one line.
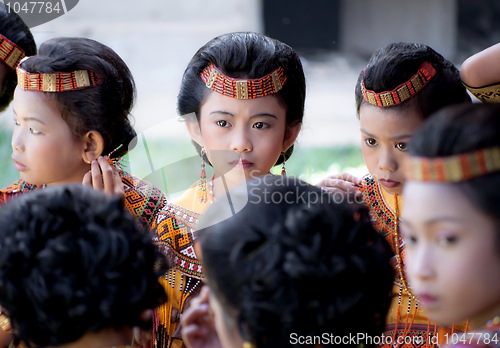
[[402, 92], [10, 53], [242, 88], [454, 168], [142, 199], [175, 235], [54, 82]]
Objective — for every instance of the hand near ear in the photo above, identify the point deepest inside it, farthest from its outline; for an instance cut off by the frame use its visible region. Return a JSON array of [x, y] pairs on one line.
[[104, 177]]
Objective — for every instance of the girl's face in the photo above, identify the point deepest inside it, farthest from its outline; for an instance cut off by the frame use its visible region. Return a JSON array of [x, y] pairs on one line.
[[453, 257], [244, 136], [44, 149], [385, 134]]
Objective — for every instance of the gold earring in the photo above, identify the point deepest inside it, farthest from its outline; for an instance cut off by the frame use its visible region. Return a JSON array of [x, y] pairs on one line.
[[283, 168], [247, 345]]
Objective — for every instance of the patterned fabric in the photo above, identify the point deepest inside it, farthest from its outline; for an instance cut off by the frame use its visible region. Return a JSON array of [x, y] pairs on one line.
[[142, 199], [486, 94], [10, 53], [174, 233], [56, 82], [407, 325], [241, 88]]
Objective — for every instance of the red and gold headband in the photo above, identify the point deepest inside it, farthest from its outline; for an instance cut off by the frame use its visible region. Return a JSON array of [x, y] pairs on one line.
[[454, 168], [241, 88], [55, 82], [10, 53], [402, 92]]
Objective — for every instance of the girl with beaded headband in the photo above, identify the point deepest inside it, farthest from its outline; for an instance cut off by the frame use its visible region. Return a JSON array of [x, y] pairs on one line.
[[451, 220], [242, 100], [16, 42], [72, 107], [400, 87]]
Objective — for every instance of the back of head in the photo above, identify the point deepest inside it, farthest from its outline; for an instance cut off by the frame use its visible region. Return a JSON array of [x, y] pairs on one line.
[[293, 262], [464, 129], [74, 261], [250, 56], [15, 30], [105, 107], [394, 64]]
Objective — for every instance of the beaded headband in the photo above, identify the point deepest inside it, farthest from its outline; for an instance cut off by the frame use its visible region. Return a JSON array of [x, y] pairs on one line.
[[240, 88], [10, 53], [402, 92], [454, 168], [55, 82]]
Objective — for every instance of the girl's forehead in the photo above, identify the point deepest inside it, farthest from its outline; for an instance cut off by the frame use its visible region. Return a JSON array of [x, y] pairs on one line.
[[390, 122]]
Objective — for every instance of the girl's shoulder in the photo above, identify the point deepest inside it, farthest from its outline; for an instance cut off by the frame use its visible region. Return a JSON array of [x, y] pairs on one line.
[[16, 188]]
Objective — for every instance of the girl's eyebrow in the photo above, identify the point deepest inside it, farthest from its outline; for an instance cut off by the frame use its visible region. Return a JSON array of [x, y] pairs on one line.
[[30, 118], [256, 115]]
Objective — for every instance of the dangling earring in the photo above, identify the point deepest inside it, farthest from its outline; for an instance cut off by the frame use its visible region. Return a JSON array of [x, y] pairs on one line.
[[247, 344], [283, 168], [202, 184]]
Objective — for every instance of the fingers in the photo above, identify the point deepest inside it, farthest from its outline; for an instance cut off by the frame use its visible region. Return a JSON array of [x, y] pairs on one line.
[[104, 177], [107, 172], [343, 184]]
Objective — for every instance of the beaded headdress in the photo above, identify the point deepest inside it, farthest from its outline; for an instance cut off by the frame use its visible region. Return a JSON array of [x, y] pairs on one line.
[[402, 92], [10, 53], [241, 88], [54, 82], [454, 168]]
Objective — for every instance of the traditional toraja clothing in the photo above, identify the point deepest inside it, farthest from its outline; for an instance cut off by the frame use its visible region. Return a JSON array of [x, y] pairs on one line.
[[142, 199], [486, 94], [407, 324], [174, 227]]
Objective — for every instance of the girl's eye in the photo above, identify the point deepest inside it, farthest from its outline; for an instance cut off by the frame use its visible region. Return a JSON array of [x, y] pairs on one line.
[[447, 240], [35, 132], [222, 123], [260, 125], [16, 123], [402, 146], [370, 142]]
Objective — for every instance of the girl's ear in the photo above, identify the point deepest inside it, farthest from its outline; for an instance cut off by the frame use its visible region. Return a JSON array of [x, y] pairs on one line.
[[291, 134], [93, 145], [193, 128]]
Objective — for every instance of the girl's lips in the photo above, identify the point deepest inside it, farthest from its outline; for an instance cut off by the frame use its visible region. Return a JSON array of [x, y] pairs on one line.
[[19, 166], [427, 299], [389, 183], [242, 164]]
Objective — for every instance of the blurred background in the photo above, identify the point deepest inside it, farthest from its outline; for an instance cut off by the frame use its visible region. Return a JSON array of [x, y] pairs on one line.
[[335, 38]]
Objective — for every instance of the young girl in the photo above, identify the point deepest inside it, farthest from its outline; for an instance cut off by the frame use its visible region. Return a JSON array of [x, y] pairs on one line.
[[16, 42], [399, 88], [71, 108], [451, 220], [291, 269], [242, 97], [76, 270]]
